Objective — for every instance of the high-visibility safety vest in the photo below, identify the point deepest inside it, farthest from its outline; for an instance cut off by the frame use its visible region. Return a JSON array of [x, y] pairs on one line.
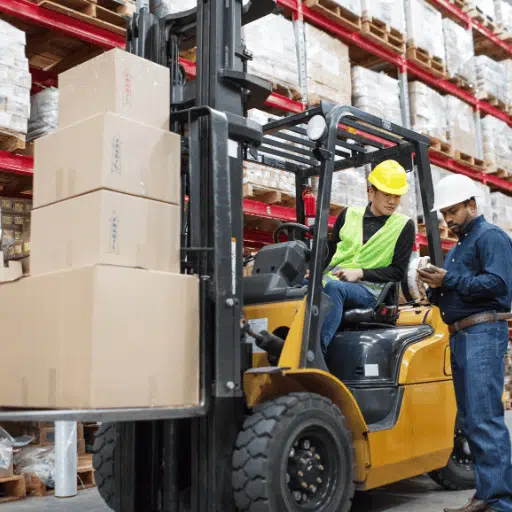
[[377, 252]]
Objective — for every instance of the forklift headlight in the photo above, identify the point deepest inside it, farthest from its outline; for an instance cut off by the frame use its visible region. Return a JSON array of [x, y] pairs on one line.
[[317, 128]]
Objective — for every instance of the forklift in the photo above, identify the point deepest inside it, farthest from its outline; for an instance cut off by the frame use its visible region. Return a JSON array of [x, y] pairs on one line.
[[279, 426]]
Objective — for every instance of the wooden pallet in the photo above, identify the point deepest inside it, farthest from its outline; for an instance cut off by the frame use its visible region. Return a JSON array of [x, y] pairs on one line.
[[499, 173], [470, 161], [85, 479], [89, 12], [462, 83], [460, 4], [12, 488], [441, 147], [478, 15], [492, 100], [383, 34], [11, 141], [335, 12], [421, 57], [286, 90], [268, 195]]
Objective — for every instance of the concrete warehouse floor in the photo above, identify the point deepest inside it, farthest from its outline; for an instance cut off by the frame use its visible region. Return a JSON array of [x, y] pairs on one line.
[[419, 494]]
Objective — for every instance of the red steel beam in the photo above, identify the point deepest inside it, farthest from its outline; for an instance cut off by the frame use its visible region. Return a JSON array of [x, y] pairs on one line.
[[32, 13], [452, 10], [16, 164]]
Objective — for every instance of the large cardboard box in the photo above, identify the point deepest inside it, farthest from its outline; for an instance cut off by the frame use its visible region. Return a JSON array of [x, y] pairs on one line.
[[116, 81], [107, 151], [105, 227], [100, 336]]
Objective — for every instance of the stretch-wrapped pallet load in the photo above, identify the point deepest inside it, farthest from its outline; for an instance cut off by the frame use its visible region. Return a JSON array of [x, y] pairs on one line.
[[503, 10], [271, 40], [459, 51], [501, 206], [424, 27], [328, 68], [390, 12], [377, 94], [461, 126], [261, 175], [408, 203], [507, 71], [496, 138], [428, 111], [15, 84], [44, 113], [491, 81], [349, 188]]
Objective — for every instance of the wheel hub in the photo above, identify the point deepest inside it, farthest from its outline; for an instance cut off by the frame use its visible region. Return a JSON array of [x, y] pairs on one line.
[[305, 470]]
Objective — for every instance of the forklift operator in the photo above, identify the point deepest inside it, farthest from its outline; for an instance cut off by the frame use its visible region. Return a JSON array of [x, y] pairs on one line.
[[474, 294], [371, 247]]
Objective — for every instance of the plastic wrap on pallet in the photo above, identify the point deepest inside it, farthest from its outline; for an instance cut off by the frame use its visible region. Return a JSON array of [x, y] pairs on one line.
[[390, 12], [461, 126], [428, 111], [328, 68], [507, 70], [503, 10], [408, 202], [486, 7], [459, 51], [44, 113], [271, 40], [377, 94], [349, 188], [501, 207], [162, 8], [15, 80], [497, 139], [490, 79], [424, 27], [38, 461]]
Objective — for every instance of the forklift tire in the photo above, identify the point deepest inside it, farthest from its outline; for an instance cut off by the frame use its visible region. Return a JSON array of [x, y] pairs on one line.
[[294, 453], [103, 462], [459, 473]]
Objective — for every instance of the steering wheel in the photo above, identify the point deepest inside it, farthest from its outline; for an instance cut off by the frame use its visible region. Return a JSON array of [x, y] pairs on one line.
[[291, 228]]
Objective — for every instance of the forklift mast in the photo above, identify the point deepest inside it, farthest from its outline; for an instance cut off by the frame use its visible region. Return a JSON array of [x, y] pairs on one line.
[[185, 464]]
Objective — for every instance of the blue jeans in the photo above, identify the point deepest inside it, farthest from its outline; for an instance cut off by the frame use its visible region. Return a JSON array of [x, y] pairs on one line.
[[352, 295], [478, 366]]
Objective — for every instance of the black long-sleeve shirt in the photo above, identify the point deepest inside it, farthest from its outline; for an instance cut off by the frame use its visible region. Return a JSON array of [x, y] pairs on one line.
[[372, 224]]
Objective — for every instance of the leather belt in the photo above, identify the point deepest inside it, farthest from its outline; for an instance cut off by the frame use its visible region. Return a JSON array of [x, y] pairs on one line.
[[480, 318]]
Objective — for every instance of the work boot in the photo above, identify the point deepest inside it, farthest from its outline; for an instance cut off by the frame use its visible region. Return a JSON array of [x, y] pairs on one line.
[[473, 506]]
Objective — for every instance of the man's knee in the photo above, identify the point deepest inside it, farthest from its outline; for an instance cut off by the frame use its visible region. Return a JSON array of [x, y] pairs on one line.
[[333, 288]]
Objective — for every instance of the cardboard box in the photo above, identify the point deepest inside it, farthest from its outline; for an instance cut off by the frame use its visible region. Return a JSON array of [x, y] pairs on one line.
[[107, 151], [101, 337], [105, 227], [116, 81]]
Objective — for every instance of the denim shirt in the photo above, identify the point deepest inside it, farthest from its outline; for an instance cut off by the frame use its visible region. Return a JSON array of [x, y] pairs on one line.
[[479, 277]]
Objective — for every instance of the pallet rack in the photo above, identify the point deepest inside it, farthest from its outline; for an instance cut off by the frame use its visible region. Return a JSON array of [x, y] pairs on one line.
[[31, 13]]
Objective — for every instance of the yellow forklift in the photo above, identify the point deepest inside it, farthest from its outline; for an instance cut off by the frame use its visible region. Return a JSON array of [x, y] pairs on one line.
[[280, 427]]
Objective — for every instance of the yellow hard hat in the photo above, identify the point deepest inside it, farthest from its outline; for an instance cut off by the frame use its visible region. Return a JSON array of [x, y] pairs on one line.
[[389, 177]]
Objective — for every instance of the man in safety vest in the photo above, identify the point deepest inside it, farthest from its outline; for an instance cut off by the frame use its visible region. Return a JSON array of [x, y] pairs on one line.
[[373, 247]]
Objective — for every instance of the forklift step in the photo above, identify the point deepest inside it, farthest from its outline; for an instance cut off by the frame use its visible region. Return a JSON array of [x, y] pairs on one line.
[[337, 13], [471, 161], [89, 12], [441, 147], [378, 31], [423, 58]]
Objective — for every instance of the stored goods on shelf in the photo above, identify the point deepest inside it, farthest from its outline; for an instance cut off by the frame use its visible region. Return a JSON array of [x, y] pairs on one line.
[[118, 82], [507, 66], [15, 227], [354, 6], [459, 51], [501, 206], [503, 11], [408, 202], [391, 12], [491, 83], [497, 143], [424, 27], [271, 40], [349, 188], [15, 83], [161, 8], [377, 94], [428, 111], [461, 126], [328, 67], [44, 113], [485, 7]]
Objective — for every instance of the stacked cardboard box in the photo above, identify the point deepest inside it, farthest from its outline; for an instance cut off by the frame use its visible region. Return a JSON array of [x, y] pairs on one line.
[[501, 206], [428, 111], [485, 7], [491, 82], [459, 51], [390, 12], [424, 27], [15, 82], [461, 126], [497, 139], [107, 321]]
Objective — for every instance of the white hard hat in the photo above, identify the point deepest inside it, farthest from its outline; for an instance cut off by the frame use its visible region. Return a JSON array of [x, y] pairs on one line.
[[454, 189]]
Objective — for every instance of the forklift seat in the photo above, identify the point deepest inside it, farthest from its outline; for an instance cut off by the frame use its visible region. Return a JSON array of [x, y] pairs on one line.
[[384, 312]]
